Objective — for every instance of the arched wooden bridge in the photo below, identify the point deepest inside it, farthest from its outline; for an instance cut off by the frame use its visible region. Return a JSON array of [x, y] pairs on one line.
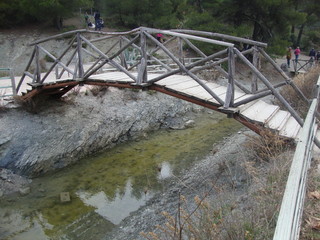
[[136, 59]]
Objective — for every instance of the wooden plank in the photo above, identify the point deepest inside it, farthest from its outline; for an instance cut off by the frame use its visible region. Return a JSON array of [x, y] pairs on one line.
[[278, 120], [201, 93], [184, 85], [290, 129], [113, 76], [174, 79], [260, 111], [236, 95]]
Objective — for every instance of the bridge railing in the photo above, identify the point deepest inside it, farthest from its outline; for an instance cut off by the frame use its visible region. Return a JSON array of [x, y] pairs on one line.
[[7, 83], [289, 219], [109, 50], [301, 65]]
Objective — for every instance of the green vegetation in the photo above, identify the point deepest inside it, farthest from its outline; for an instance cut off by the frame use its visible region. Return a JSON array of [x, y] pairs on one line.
[[280, 23], [17, 12]]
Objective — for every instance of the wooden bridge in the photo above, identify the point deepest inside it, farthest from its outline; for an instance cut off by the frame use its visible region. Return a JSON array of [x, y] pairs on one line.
[[136, 59]]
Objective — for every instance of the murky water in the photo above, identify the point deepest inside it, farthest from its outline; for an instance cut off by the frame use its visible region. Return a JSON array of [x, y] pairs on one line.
[[105, 189]]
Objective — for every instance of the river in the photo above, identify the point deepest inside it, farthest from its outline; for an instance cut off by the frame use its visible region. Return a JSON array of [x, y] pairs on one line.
[[106, 188]]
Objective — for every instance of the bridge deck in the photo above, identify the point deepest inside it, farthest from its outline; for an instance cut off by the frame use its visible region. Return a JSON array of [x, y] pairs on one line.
[[256, 112], [251, 114]]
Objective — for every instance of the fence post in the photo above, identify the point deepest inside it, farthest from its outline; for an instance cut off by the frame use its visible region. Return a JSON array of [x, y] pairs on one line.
[[122, 54], [255, 62], [142, 69], [80, 62], [230, 89], [37, 73], [13, 82], [181, 57]]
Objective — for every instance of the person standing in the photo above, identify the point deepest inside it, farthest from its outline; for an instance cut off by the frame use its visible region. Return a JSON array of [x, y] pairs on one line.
[[289, 56], [159, 37], [96, 19], [297, 52], [312, 55], [318, 57]]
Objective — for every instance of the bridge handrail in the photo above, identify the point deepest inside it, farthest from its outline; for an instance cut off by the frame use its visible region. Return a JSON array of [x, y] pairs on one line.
[[62, 35], [12, 85], [289, 219], [140, 39], [222, 36]]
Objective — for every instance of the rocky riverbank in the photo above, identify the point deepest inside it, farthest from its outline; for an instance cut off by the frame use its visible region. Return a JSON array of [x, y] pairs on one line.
[[60, 133]]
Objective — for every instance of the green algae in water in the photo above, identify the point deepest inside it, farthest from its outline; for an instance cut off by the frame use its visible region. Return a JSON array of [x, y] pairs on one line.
[[104, 189]]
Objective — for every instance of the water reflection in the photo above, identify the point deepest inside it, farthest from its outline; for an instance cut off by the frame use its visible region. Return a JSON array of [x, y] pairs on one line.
[[105, 189], [30, 228], [117, 209], [165, 171]]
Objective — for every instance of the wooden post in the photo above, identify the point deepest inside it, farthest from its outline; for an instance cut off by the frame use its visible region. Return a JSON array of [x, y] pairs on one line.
[[295, 66], [230, 89], [80, 60], [142, 69], [26, 69], [122, 56], [37, 70], [181, 57], [13, 82], [255, 62]]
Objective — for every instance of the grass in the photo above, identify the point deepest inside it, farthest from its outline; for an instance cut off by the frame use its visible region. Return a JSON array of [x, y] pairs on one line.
[[224, 214]]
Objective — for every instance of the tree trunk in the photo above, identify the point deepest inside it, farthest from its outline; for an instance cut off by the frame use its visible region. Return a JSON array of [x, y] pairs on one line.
[[300, 34], [256, 31], [58, 22]]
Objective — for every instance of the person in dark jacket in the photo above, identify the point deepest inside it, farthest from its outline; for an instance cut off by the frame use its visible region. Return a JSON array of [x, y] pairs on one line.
[[96, 19]]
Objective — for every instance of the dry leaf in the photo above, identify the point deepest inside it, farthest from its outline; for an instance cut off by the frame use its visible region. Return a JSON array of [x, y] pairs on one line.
[[314, 223], [314, 194]]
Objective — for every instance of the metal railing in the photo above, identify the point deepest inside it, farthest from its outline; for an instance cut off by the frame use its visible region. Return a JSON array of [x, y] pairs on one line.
[[289, 220], [7, 82]]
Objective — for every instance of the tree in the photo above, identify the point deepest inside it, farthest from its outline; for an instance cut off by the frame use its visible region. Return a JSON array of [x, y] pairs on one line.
[[10, 13], [311, 8], [147, 13], [24, 11], [267, 17]]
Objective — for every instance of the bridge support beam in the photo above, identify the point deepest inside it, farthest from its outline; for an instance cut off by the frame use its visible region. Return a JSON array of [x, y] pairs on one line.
[[142, 68], [230, 89]]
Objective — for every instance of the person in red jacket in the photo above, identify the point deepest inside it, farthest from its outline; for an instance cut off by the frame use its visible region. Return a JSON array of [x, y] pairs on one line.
[[297, 52]]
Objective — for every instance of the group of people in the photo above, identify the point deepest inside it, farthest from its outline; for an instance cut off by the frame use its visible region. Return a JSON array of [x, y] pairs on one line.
[[314, 56], [98, 22]]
